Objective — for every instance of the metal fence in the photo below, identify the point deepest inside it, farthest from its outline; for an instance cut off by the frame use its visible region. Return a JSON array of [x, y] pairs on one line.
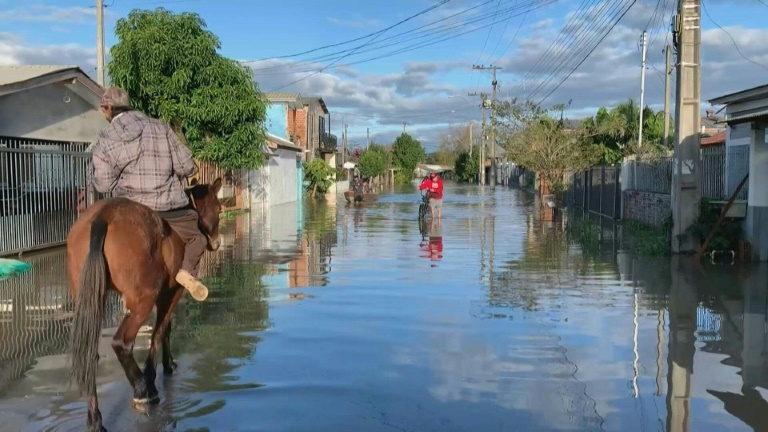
[[36, 312], [597, 190], [720, 173], [43, 187]]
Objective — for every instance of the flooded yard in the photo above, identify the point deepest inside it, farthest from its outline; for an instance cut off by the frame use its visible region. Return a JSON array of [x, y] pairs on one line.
[[333, 317]]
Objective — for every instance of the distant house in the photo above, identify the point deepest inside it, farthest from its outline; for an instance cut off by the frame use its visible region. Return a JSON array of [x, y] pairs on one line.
[[713, 141], [712, 124], [48, 116], [746, 116]]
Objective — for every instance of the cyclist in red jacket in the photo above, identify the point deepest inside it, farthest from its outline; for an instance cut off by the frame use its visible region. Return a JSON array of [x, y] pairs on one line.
[[434, 184]]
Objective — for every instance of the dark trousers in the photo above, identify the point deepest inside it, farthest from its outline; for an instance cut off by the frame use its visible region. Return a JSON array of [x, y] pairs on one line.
[[185, 223]]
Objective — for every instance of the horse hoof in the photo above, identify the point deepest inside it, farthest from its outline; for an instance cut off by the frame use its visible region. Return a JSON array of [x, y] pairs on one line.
[[141, 402]]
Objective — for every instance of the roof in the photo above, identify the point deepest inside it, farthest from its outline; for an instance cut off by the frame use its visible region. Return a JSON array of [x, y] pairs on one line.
[[283, 143], [716, 139], [282, 96], [24, 77], [753, 93], [748, 117], [315, 99]]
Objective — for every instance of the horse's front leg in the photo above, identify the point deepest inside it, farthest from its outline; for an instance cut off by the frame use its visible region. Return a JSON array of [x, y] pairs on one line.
[[165, 306]]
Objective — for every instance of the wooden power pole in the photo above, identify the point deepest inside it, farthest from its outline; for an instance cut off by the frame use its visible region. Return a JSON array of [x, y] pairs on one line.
[[685, 174], [481, 144], [667, 91], [100, 42], [493, 70]]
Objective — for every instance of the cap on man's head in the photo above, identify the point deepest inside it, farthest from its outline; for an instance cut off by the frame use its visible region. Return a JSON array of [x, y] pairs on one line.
[[115, 97]]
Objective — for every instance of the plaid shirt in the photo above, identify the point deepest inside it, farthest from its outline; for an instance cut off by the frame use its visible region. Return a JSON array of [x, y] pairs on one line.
[[141, 159]]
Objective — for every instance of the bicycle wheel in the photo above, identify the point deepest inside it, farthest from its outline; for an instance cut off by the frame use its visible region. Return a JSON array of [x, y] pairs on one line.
[[422, 211]]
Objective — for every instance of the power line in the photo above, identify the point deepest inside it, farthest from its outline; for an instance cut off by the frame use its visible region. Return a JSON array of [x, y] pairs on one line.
[[409, 36], [706, 12], [413, 47], [427, 10], [590, 52], [591, 33]]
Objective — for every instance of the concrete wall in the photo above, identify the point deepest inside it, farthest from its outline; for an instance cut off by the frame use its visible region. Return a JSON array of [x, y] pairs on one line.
[[277, 182], [646, 207], [50, 112], [277, 119], [756, 223]]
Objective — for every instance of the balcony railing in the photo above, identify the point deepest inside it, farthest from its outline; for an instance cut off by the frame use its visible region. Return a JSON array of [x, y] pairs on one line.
[[328, 143]]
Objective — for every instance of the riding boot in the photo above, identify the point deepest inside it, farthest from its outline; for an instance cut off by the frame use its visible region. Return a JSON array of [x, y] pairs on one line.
[[196, 289]]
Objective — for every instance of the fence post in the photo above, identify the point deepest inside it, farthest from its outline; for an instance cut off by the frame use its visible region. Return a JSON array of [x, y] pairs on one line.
[[618, 196], [602, 187]]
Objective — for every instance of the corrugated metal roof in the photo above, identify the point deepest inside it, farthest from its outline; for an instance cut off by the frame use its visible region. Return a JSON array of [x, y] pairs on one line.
[[17, 74], [744, 118], [282, 96]]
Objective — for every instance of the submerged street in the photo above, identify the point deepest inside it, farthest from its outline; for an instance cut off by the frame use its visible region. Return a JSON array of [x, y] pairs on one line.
[[332, 317]]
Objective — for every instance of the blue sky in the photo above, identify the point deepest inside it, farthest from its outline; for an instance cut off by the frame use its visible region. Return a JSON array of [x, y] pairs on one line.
[[414, 86]]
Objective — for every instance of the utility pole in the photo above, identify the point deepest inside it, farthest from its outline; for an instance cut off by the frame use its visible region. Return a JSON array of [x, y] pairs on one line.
[[493, 127], [404, 123], [481, 144], [667, 90], [642, 89], [367, 138], [685, 175], [100, 42]]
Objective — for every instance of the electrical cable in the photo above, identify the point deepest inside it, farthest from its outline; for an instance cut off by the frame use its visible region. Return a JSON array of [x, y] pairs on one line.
[[427, 10], [706, 12], [592, 34]]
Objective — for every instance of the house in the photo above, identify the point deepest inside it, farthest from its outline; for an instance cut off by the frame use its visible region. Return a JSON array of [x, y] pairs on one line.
[[711, 124], [306, 122], [49, 115], [280, 180], [746, 116], [714, 141], [317, 120]]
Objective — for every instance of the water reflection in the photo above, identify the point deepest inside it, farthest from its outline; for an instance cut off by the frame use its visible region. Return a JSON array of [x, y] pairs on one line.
[[333, 317]]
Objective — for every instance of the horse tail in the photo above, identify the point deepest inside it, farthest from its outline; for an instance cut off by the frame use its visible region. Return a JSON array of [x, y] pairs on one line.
[[86, 326]]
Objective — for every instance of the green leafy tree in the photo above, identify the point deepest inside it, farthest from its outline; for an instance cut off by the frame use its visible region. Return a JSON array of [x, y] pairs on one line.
[[373, 161], [170, 66], [407, 152], [467, 167], [615, 131], [320, 176], [539, 141]]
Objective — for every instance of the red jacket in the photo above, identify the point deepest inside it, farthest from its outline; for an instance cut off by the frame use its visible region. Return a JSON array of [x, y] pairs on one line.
[[436, 191]]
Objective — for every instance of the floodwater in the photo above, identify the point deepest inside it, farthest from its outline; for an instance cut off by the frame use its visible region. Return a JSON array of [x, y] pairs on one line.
[[339, 318]]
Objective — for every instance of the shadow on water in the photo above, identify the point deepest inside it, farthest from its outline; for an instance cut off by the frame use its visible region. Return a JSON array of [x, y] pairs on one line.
[[334, 317]]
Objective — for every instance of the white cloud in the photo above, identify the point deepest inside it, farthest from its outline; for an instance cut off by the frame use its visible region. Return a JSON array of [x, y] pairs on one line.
[[50, 13], [419, 95], [14, 50]]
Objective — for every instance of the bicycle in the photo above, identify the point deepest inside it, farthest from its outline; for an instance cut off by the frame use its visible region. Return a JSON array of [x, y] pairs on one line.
[[424, 206]]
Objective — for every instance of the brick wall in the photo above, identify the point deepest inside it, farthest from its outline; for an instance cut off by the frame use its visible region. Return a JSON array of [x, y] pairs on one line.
[[647, 207], [297, 126]]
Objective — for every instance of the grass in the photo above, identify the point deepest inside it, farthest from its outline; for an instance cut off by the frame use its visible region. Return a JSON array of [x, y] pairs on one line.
[[647, 239]]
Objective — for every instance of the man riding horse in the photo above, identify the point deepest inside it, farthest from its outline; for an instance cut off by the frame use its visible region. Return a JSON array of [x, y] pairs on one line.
[[140, 158]]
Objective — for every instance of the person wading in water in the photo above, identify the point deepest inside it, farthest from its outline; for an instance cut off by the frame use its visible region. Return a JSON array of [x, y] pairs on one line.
[[140, 158]]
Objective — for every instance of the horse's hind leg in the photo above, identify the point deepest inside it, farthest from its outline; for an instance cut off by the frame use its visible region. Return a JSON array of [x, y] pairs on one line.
[[166, 303], [169, 366], [123, 342]]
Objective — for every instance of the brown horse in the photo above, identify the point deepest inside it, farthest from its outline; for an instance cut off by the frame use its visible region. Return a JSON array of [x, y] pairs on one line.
[[125, 246]]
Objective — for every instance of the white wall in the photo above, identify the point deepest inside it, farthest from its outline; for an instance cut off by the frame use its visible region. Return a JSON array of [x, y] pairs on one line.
[[277, 182], [43, 113]]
